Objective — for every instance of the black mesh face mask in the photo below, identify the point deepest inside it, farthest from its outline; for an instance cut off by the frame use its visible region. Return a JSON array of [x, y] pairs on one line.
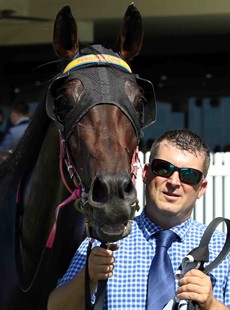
[[103, 83]]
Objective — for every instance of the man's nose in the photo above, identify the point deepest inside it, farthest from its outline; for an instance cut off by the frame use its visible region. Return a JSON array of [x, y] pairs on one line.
[[174, 179]]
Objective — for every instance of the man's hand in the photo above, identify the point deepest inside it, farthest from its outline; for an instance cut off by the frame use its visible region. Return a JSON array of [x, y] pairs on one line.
[[101, 263], [197, 286]]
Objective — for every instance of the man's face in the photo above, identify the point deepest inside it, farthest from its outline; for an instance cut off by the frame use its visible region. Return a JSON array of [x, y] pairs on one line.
[[169, 199], [14, 117]]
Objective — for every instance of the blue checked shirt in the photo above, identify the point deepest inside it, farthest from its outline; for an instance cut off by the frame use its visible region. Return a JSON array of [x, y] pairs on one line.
[[127, 289]]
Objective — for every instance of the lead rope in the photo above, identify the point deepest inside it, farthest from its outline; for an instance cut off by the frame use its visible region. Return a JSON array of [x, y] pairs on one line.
[[196, 258], [88, 304], [101, 289]]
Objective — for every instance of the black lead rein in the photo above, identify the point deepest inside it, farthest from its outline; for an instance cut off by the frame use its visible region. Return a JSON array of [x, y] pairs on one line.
[[33, 285], [101, 288]]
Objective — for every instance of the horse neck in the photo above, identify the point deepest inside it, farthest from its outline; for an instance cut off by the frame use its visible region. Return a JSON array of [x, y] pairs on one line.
[[43, 193]]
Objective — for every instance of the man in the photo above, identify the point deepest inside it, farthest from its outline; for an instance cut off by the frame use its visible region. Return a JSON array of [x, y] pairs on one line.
[[171, 193], [19, 118]]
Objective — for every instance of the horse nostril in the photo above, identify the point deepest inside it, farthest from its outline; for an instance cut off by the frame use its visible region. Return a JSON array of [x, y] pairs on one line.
[[125, 188], [100, 190], [106, 188]]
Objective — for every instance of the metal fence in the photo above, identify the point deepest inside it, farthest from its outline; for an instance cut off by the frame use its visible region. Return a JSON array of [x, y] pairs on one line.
[[216, 200]]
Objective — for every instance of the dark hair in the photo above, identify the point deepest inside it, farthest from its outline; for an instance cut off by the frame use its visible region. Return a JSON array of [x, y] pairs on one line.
[[184, 139], [20, 106]]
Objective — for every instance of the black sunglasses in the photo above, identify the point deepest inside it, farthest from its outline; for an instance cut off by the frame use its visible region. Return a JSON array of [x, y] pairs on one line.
[[165, 169]]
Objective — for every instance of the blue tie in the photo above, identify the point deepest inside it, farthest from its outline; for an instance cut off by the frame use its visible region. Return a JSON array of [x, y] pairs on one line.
[[161, 282]]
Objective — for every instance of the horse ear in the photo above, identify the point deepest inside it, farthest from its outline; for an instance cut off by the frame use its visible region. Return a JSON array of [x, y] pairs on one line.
[[65, 40], [131, 35]]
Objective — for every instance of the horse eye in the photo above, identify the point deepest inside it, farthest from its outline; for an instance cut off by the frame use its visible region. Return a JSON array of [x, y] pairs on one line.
[[140, 104], [62, 107]]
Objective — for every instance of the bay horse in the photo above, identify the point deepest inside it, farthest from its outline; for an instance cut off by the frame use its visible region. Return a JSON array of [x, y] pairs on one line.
[[79, 152]]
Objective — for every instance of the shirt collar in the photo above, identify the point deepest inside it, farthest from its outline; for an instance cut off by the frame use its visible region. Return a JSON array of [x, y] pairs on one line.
[[149, 228], [24, 118]]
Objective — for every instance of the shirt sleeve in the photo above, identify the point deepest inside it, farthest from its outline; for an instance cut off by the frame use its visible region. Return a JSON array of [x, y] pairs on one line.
[[77, 263], [226, 288], [220, 275]]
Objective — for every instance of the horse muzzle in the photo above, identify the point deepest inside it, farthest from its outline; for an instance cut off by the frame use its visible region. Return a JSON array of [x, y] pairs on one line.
[[110, 207]]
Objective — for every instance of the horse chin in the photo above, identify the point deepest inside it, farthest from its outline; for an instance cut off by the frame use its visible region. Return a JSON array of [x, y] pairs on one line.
[[112, 232]]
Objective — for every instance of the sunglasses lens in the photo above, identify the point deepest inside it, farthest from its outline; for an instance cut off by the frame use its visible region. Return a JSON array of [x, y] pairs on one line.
[[165, 169], [162, 168], [190, 176]]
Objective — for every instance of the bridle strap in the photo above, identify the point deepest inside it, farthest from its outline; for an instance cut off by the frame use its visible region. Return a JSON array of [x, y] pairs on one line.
[[135, 165], [75, 194], [66, 158], [97, 59], [61, 158]]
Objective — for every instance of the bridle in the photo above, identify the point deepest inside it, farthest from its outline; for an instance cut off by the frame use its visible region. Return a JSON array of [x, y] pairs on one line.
[[79, 194], [79, 68]]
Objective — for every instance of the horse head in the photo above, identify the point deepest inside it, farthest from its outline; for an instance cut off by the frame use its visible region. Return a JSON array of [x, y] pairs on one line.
[[100, 108]]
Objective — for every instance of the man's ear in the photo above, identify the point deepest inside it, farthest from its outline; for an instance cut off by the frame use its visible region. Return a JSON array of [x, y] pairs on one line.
[[144, 172], [202, 189]]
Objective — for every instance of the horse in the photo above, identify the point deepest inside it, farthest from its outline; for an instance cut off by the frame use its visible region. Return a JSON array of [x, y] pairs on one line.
[[80, 151]]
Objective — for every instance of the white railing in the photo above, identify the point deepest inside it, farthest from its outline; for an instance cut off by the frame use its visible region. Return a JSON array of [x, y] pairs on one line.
[[216, 200]]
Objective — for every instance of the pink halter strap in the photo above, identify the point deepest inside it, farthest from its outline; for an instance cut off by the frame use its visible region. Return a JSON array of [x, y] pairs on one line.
[[135, 165], [76, 194]]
